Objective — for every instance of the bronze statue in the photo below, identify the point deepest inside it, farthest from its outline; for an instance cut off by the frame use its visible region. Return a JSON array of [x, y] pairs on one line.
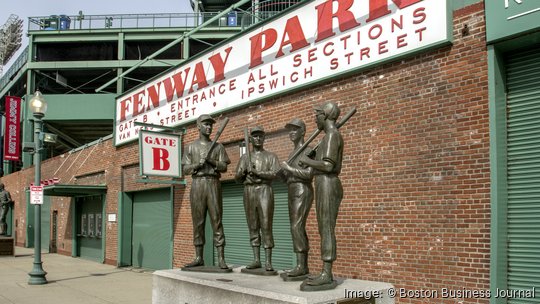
[[257, 169], [328, 191], [300, 197], [205, 160], [5, 202]]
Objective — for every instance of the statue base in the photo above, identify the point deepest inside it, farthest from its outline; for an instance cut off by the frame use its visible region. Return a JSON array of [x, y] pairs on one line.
[[287, 278], [7, 245], [259, 271], [213, 269], [176, 286]]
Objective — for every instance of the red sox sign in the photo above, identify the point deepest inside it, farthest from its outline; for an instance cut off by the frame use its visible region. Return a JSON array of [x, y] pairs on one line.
[[318, 40], [160, 154]]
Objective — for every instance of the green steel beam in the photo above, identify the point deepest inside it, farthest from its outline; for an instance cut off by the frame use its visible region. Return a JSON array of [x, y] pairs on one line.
[[80, 106], [228, 32], [75, 38], [108, 64], [176, 41]]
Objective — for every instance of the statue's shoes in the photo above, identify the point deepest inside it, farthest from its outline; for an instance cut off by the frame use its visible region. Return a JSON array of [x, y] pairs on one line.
[[254, 265], [322, 279], [223, 265], [297, 271], [195, 263]]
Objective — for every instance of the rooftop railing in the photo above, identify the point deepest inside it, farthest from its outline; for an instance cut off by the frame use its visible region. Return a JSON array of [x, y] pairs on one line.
[[128, 21]]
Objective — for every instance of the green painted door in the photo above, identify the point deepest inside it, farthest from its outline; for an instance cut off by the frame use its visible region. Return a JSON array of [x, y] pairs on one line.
[[238, 250], [152, 229], [523, 216], [89, 212]]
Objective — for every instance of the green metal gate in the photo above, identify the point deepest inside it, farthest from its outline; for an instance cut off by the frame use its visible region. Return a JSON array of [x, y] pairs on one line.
[[152, 229], [523, 217], [238, 250]]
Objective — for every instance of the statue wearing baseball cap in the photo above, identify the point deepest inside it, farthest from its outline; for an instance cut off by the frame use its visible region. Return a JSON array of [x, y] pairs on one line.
[[300, 197], [205, 160], [256, 170], [328, 191]]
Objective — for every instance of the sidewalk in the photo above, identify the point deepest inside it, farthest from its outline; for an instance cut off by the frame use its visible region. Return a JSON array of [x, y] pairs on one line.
[[71, 280]]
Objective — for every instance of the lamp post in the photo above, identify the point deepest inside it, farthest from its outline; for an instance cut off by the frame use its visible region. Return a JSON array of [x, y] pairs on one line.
[[38, 106]]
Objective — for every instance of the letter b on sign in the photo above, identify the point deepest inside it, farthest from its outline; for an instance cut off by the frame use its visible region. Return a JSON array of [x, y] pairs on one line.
[[161, 159]]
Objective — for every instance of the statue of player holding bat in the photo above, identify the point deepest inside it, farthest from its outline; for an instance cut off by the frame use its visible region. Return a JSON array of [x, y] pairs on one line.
[[300, 199], [205, 160], [298, 171], [256, 170], [328, 191]]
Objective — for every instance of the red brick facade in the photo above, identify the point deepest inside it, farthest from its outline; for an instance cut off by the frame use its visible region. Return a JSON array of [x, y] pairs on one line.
[[416, 211]]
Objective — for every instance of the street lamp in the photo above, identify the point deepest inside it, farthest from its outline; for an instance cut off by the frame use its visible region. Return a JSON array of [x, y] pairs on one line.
[[38, 106]]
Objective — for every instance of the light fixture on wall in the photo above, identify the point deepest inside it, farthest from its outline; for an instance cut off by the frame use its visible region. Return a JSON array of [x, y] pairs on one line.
[[49, 137]]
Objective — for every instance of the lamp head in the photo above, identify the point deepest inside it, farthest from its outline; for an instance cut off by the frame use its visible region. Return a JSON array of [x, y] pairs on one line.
[[38, 105]]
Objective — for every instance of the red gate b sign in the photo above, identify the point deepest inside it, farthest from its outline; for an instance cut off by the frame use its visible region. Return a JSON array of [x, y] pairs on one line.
[[160, 154]]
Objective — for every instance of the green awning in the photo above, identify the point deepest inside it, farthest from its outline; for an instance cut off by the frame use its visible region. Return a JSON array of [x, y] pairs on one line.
[[74, 190]]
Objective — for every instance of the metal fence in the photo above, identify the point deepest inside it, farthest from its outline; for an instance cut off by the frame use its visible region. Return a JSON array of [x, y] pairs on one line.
[[128, 21]]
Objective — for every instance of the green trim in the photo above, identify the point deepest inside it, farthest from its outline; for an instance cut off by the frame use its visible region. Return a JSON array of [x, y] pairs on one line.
[[498, 168], [171, 253], [103, 225], [165, 182], [74, 190], [75, 239], [120, 248], [125, 227]]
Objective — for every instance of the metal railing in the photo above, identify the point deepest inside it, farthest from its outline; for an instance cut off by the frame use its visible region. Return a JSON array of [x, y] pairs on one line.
[[128, 21], [265, 9]]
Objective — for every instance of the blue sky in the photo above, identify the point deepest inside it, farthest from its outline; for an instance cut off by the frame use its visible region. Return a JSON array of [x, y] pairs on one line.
[[33, 8]]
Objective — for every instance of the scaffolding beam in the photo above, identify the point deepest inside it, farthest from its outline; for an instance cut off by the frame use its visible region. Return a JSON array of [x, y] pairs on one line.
[[10, 39], [174, 42]]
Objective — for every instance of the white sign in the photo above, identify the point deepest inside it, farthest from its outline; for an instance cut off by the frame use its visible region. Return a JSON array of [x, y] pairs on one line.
[[36, 195], [111, 217], [160, 154], [318, 40]]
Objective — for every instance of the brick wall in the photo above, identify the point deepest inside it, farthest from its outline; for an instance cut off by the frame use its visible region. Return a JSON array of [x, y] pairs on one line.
[[416, 211]]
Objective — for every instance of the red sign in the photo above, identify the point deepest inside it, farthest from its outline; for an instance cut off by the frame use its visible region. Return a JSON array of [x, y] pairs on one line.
[[160, 154], [12, 138]]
